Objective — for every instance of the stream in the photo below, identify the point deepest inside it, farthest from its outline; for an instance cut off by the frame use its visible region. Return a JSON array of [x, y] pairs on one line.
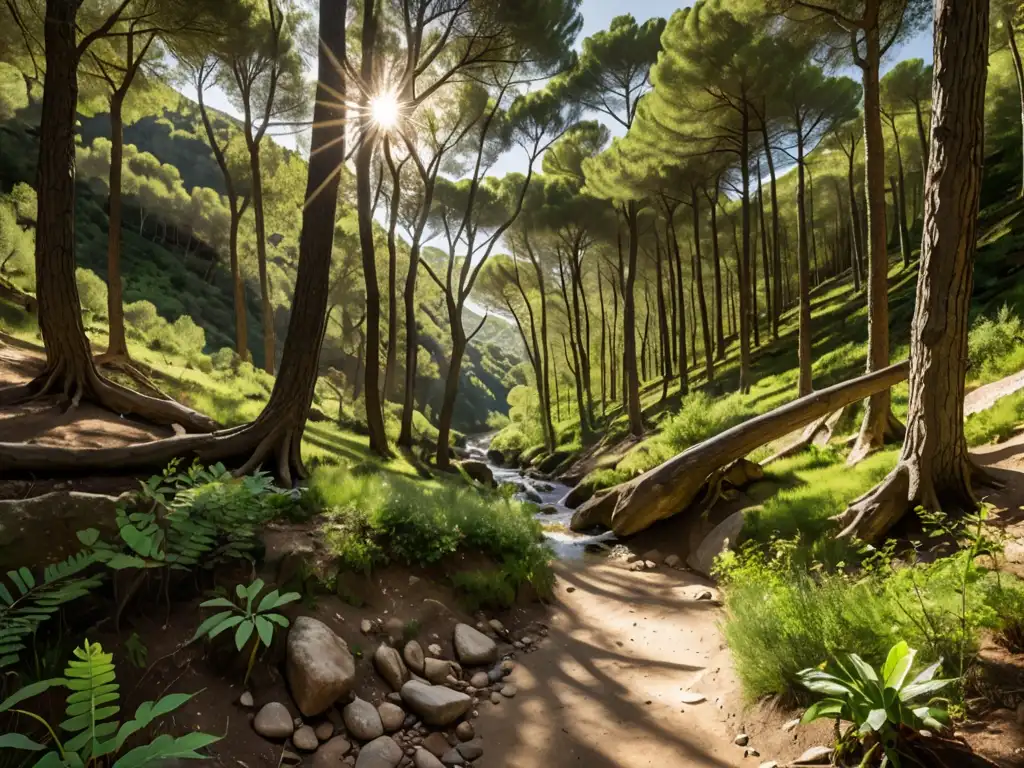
[[565, 544]]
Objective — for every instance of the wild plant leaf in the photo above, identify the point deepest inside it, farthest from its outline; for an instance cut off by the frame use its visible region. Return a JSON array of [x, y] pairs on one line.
[[218, 602], [822, 682], [875, 720], [28, 691], [19, 741], [166, 747], [268, 601], [824, 708], [225, 625], [210, 623], [265, 630], [897, 664], [146, 713], [278, 619], [927, 673], [927, 688], [243, 633]]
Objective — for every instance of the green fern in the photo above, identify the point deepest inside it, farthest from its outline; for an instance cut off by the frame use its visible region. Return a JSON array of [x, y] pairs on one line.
[[27, 602], [91, 708]]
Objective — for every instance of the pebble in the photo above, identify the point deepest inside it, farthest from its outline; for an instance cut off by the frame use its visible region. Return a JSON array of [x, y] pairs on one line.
[[436, 744], [366, 626], [815, 756], [362, 720], [452, 757], [751, 752], [706, 594], [509, 691], [464, 731], [673, 561], [434, 649], [479, 680], [421, 758], [689, 697], [305, 739], [246, 699], [471, 750], [324, 731], [273, 721], [495, 698], [413, 581], [741, 740], [330, 754], [497, 626], [391, 716], [791, 725], [650, 564]]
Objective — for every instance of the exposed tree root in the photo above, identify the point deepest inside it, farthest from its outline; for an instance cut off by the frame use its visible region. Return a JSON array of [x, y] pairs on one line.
[[125, 365], [75, 385], [867, 444]]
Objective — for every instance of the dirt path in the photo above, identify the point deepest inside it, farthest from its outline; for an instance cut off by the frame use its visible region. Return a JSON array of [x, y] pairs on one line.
[[985, 397], [605, 686]]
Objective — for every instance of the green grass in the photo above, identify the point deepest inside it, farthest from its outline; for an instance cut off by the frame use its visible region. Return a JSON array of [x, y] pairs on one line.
[[998, 423], [374, 518]]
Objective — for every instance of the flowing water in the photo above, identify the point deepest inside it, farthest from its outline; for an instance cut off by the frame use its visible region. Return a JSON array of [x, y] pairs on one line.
[[566, 544]]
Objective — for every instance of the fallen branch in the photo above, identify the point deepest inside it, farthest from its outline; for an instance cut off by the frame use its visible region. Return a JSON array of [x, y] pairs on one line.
[[673, 486]]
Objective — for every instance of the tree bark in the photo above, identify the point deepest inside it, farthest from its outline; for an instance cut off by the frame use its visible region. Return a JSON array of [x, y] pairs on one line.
[[900, 198], [776, 252], [858, 244], [765, 265], [1018, 70], [391, 359], [934, 470], [364, 201], [117, 344], [266, 308], [709, 364], [663, 333], [632, 381], [684, 382], [673, 486], [717, 263]]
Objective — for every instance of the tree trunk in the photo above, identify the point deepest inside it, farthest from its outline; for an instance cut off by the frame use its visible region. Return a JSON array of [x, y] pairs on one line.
[[684, 383], [776, 253], [663, 333], [632, 382], [899, 198], [604, 350], [117, 344], [765, 265], [812, 229], [743, 273], [858, 244], [804, 268], [717, 263], [922, 137], [391, 359], [934, 470], [1018, 69], [709, 364], [878, 419], [673, 486], [613, 357], [582, 336], [267, 310], [673, 319], [364, 198]]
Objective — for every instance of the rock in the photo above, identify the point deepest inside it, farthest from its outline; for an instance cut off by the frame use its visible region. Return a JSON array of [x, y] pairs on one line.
[[324, 731], [366, 626], [452, 757], [435, 704], [414, 580], [305, 739], [741, 740], [497, 626], [477, 471], [751, 752], [297, 722], [413, 655], [815, 756], [434, 649], [704, 594], [273, 721], [508, 691], [394, 628], [390, 666], [769, 764], [495, 456], [654, 556], [550, 463], [391, 716], [724, 536], [464, 731], [673, 561], [789, 726], [507, 666], [362, 720], [42, 529], [548, 509], [742, 473], [437, 670], [394, 697], [436, 744], [495, 698], [690, 697], [320, 669], [421, 758], [650, 564], [246, 699], [289, 758], [480, 680], [473, 647], [382, 752], [471, 750], [330, 754]]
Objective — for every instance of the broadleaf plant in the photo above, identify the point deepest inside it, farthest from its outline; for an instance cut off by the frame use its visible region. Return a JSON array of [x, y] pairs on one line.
[[883, 708], [246, 619], [93, 734]]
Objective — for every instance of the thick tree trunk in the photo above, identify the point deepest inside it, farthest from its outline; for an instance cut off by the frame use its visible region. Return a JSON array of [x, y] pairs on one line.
[[709, 363], [878, 421], [573, 318], [632, 381], [673, 486], [117, 344], [934, 470], [803, 268], [364, 203], [277, 433]]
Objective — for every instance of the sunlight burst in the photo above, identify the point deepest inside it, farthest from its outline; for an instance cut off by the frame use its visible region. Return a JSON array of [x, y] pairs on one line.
[[385, 110]]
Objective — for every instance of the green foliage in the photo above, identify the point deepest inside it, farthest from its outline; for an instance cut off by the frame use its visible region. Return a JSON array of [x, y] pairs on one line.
[[701, 417], [376, 518], [92, 292], [882, 706], [995, 346], [998, 423], [28, 602], [93, 733], [248, 619]]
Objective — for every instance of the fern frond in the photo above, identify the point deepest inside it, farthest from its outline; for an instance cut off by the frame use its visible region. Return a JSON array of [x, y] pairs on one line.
[[93, 701], [26, 602]]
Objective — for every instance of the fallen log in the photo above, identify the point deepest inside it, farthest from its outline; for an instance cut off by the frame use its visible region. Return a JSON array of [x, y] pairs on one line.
[[673, 486]]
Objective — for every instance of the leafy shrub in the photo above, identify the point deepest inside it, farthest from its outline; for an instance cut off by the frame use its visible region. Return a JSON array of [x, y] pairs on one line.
[[142, 317], [511, 438], [92, 291], [882, 707], [92, 703], [995, 346], [701, 417], [223, 359]]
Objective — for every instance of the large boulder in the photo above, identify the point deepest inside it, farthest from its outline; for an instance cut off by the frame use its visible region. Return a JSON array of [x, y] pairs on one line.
[[362, 720], [553, 461], [496, 457], [724, 536], [435, 704], [478, 471], [474, 647], [578, 495], [320, 669], [382, 752], [389, 665]]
